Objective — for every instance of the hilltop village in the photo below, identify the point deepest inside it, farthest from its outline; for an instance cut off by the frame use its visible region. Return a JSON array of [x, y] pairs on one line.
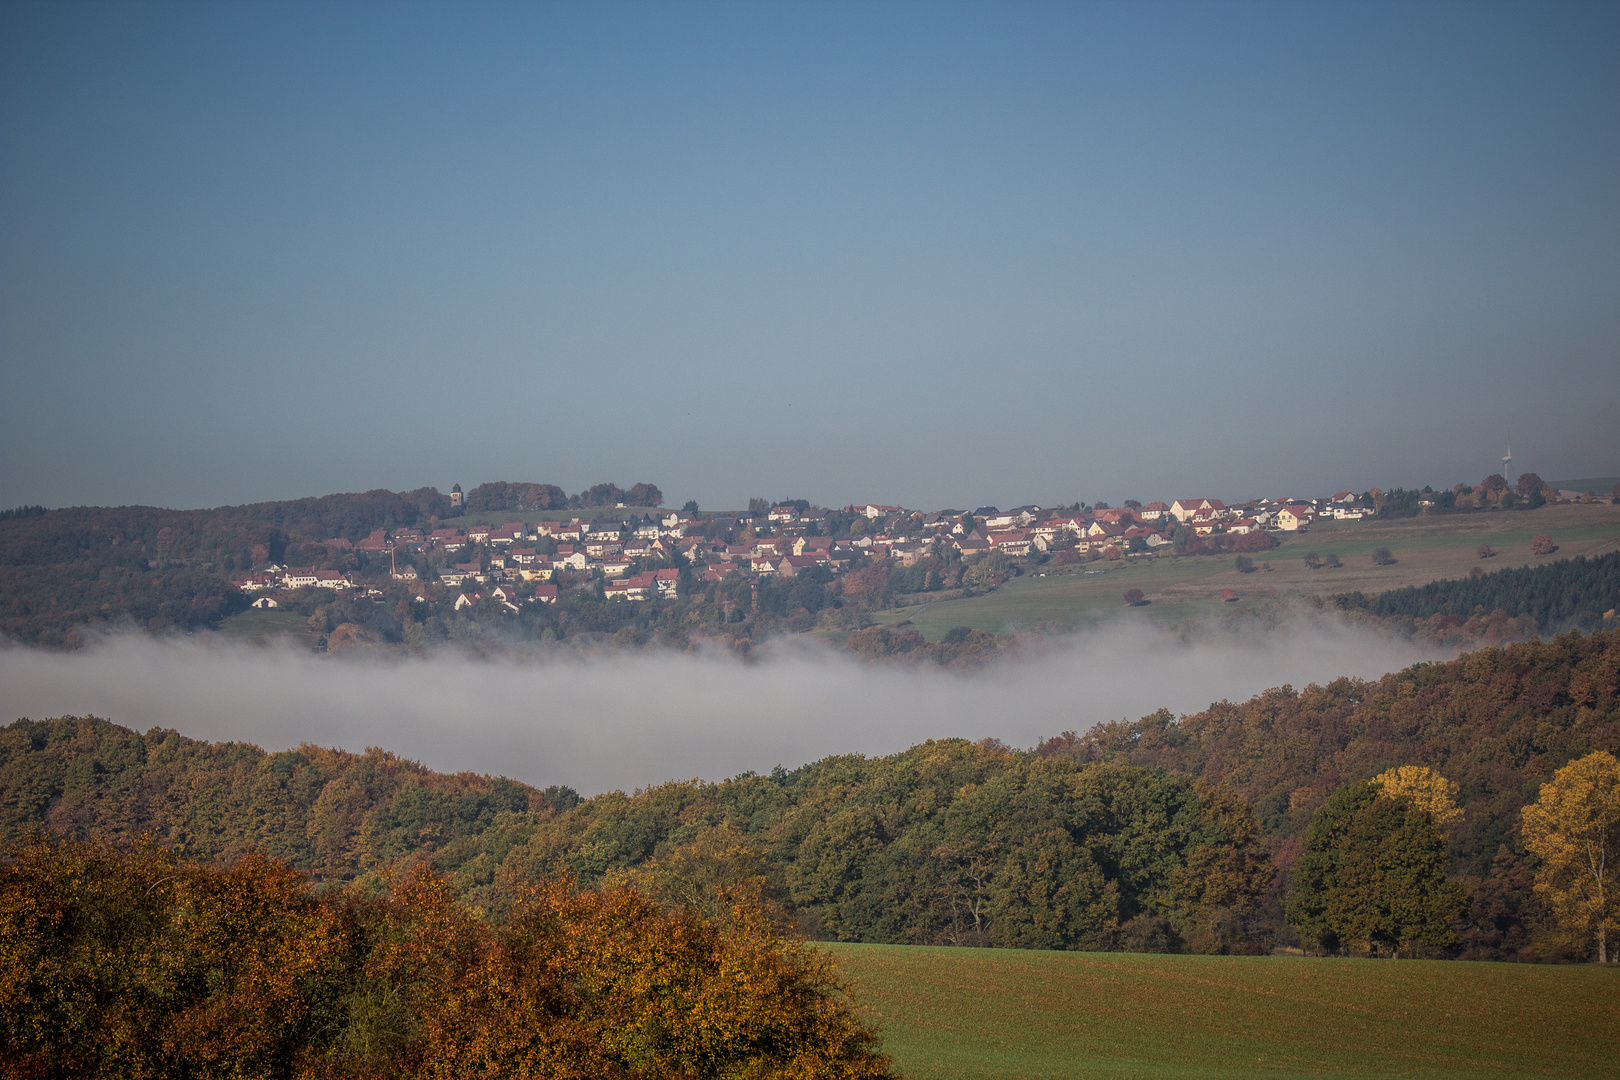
[[519, 562], [647, 556]]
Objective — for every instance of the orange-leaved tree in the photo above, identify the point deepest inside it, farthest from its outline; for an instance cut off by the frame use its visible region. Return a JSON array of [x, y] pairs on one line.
[[124, 961], [607, 984]]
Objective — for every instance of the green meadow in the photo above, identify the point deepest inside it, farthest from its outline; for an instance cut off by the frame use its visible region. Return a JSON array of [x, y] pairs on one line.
[[260, 625], [948, 1013], [1425, 549]]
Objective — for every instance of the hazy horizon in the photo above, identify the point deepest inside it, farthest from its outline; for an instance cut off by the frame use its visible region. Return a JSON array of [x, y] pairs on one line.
[[933, 255]]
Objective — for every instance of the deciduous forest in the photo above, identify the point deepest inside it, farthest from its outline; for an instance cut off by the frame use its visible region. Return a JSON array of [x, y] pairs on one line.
[[1158, 834]]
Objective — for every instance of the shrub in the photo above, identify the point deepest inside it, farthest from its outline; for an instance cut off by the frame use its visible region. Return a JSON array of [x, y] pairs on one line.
[[1243, 564], [1383, 557]]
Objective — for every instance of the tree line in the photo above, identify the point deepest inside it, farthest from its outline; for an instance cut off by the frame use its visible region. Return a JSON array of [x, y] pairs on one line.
[[524, 497]]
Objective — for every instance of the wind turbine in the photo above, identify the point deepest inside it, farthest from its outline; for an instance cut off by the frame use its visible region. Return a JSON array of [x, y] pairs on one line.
[[1507, 459]]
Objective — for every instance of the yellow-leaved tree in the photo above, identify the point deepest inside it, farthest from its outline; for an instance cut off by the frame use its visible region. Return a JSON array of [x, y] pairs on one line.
[[1427, 790], [1573, 829]]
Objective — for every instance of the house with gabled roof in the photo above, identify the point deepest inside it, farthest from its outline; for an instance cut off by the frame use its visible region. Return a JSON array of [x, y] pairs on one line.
[[973, 543], [1185, 510], [571, 560], [1015, 542], [638, 587], [1293, 518]]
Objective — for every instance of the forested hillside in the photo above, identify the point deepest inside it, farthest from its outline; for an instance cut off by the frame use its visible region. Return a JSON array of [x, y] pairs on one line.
[[1499, 722], [1158, 833], [949, 842], [168, 569], [163, 570]]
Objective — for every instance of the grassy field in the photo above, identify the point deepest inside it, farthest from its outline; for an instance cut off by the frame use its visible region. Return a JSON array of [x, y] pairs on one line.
[[260, 625], [958, 1013], [1598, 485], [1425, 548]]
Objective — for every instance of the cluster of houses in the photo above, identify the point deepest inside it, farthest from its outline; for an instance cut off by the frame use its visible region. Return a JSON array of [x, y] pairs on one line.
[[788, 540]]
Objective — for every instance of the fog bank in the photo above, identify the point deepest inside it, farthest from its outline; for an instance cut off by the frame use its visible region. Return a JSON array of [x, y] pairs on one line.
[[633, 719]]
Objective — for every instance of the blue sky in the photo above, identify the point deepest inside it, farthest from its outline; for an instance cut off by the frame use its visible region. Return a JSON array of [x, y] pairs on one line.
[[930, 254]]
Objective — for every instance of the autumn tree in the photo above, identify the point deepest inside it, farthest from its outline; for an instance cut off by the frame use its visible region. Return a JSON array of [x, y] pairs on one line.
[[1529, 484], [119, 962], [1542, 544], [1427, 790], [1572, 829], [1373, 875], [1134, 597], [1382, 556]]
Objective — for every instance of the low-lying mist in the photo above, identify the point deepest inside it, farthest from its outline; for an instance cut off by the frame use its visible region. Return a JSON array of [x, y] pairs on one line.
[[633, 719]]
